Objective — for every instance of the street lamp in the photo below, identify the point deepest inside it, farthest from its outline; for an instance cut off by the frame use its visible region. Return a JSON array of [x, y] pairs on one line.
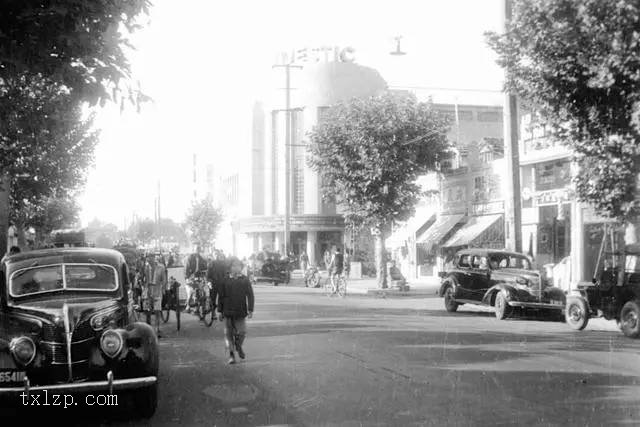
[[398, 51]]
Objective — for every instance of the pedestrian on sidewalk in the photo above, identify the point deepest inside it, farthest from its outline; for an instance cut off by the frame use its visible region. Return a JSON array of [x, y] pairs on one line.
[[235, 304], [304, 261]]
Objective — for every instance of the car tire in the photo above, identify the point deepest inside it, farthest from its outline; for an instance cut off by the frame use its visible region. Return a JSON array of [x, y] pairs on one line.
[[501, 307], [576, 313], [630, 319], [449, 299], [145, 401]]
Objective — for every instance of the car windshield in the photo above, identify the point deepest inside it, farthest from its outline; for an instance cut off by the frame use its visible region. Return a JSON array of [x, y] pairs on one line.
[[498, 261], [48, 278]]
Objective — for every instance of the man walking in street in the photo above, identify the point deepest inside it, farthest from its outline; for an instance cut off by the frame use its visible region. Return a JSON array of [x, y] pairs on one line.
[[235, 304]]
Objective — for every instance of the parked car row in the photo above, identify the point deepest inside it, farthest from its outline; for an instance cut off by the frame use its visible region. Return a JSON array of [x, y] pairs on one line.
[[507, 281]]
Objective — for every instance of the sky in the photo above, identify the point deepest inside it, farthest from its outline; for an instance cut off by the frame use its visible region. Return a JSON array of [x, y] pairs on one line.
[[205, 62]]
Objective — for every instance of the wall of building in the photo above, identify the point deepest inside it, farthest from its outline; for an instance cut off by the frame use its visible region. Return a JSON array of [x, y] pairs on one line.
[[314, 88]]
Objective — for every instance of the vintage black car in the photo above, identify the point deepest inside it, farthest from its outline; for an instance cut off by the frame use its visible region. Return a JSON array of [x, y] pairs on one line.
[[500, 279], [272, 271], [611, 295], [65, 325]]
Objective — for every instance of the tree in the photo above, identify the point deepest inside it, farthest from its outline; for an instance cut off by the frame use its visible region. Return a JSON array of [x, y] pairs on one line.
[[48, 214], [576, 62], [57, 54], [144, 231], [73, 43], [172, 232], [46, 146], [370, 153], [202, 222]]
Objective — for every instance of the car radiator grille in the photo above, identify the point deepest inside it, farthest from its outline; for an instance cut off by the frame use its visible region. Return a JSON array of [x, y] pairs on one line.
[[82, 341]]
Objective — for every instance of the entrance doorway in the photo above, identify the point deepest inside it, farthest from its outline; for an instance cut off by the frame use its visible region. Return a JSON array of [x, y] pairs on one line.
[[554, 234], [298, 242]]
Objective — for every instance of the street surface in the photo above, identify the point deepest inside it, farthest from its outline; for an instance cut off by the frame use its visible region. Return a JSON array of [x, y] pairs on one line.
[[314, 360]]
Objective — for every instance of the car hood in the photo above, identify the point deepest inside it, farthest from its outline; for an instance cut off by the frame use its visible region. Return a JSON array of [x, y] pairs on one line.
[[54, 310], [510, 274]]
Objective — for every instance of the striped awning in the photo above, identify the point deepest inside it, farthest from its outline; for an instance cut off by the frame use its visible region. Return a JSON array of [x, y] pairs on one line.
[[433, 235], [407, 232], [469, 232]]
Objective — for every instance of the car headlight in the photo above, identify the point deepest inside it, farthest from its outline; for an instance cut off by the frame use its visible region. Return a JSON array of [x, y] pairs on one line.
[[111, 343], [23, 350], [101, 321]]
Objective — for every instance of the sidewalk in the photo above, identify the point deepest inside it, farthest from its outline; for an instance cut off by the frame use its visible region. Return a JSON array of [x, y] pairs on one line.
[[369, 286], [419, 287]]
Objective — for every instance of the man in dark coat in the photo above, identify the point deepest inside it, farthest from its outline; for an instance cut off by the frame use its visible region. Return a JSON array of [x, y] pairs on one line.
[[235, 304]]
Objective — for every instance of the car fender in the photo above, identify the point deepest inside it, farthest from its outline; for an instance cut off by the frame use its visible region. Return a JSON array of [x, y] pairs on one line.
[[448, 281], [554, 293], [139, 355], [506, 288]]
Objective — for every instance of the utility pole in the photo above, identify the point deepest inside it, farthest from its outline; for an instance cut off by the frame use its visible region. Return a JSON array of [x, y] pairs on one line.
[[288, 153], [513, 205]]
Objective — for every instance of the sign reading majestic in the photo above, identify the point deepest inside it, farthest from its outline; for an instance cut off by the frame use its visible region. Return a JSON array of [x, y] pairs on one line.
[[318, 54]]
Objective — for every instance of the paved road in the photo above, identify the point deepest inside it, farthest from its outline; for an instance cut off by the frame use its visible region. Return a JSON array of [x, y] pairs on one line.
[[357, 361]]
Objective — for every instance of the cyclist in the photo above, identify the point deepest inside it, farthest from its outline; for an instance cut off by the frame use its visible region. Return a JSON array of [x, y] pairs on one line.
[[195, 270], [336, 266]]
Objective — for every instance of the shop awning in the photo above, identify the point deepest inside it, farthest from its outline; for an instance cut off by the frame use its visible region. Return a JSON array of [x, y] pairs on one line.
[[469, 232], [407, 231], [433, 235]]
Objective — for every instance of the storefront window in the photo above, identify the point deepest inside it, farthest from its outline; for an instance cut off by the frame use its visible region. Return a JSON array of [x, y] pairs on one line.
[[552, 175]]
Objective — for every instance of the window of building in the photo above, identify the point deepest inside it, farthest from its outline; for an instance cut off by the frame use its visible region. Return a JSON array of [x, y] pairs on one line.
[[465, 115], [489, 116], [486, 155], [322, 114], [552, 175]]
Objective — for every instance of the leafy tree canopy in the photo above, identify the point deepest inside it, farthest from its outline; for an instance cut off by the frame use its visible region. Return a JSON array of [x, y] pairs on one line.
[[371, 151], [46, 145], [578, 62], [78, 44], [202, 222]]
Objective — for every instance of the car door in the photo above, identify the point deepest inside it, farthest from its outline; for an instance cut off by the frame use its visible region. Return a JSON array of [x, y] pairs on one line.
[[479, 277], [463, 275]]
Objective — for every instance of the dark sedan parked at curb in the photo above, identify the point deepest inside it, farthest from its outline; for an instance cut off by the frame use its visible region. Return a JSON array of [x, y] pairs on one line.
[[65, 327], [500, 279]]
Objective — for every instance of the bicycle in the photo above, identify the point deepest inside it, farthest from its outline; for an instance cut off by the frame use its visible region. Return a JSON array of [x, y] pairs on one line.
[[340, 286], [202, 303], [170, 301], [312, 278]]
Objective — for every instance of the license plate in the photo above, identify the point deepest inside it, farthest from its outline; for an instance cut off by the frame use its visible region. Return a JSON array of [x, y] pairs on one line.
[[12, 376], [556, 302]]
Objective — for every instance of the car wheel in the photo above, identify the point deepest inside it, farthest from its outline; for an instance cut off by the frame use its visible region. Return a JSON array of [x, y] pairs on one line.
[[450, 303], [576, 313], [146, 401], [501, 306], [630, 319]]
